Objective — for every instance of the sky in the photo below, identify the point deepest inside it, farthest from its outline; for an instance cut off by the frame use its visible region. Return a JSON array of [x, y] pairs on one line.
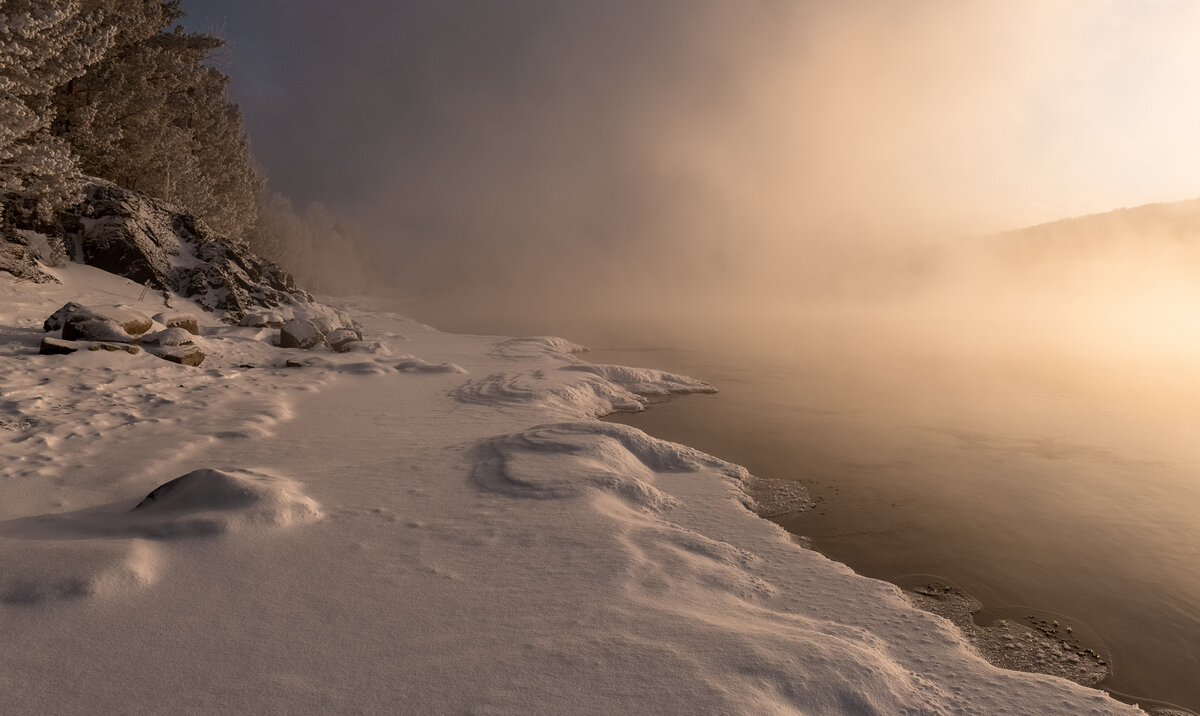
[[538, 145]]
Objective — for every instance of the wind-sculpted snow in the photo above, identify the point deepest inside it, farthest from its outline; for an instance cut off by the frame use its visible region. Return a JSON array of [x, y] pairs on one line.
[[578, 389], [413, 364], [570, 459], [644, 381], [535, 347], [584, 395]]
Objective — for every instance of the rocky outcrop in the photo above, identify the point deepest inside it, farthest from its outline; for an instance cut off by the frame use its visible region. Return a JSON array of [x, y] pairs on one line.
[[18, 260], [154, 243]]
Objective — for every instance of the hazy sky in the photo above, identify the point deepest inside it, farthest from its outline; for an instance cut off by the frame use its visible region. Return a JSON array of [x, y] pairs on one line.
[[533, 138]]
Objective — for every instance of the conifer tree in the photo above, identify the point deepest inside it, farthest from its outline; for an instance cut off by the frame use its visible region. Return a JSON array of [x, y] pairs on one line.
[[153, 117], [44, 44]]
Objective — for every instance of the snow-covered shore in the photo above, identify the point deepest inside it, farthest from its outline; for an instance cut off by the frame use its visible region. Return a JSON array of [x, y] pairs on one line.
[[436, 523]]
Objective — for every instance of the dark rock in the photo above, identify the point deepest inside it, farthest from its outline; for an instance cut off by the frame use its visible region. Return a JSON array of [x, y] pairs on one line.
[[178, 319], [300, 333], [112, 347], [58, 347], [58, 319], [292, 364], [123, 232], [339, 339]]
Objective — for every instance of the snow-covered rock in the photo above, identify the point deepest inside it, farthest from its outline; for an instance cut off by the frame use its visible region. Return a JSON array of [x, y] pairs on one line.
[[263, 318], [339, 339], [174, 336], [300, 333], [72, 316], [57, 346], [206, 501], [188, 354], [179, 319], [95, 329]]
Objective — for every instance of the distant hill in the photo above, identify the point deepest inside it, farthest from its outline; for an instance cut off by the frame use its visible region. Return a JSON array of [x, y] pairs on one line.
[[1133, 239]]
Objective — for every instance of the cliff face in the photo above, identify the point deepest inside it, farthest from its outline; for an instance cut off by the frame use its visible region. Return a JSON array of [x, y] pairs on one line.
[[156, 244]]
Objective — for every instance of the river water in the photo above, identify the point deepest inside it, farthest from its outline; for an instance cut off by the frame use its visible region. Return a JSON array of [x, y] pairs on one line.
[[1037, 474]]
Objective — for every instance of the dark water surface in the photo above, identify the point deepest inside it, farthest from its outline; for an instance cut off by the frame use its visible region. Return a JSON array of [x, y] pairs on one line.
[[1057, 476]]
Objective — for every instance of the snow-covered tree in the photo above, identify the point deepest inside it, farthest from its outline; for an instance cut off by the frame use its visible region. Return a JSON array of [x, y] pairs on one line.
[[44, 44], [153, 117]]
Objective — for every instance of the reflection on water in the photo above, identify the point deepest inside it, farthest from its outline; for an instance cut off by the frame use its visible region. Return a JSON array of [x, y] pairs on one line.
[[1034, 474]]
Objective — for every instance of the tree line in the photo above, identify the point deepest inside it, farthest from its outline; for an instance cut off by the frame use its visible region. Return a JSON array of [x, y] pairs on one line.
[[117, 89]]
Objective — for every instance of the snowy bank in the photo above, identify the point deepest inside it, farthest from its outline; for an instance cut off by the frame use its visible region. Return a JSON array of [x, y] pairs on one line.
[[431, 523]]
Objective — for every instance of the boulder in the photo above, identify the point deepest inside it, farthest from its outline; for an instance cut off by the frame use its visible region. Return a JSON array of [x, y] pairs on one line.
[[174, 336], [339, 339], [183, 355], [300, 333], [178, 319], [72, 316]]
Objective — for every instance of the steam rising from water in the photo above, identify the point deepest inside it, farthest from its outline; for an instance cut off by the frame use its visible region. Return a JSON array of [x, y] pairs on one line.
[[520, 155]]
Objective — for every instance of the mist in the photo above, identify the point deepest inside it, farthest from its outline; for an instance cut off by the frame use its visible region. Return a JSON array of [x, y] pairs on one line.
[[601, 157]]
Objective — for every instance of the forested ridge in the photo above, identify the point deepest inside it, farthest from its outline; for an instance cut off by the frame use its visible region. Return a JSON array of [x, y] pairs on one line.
[[119, 90]]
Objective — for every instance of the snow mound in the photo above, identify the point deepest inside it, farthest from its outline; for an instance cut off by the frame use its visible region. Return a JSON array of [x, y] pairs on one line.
[[58, 570], [205, 502], [644, 381], [413, 364], [535, 346], [568, 460]]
